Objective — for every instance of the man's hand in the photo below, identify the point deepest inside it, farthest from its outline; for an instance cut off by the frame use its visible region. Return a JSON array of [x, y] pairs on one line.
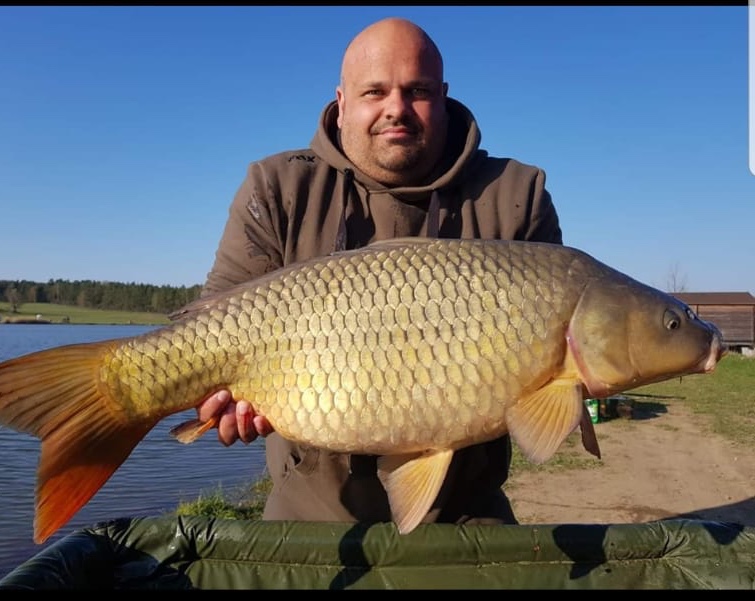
[[237, 418]]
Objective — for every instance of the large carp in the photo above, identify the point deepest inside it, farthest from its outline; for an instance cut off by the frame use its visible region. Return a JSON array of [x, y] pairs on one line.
[[408, 349]]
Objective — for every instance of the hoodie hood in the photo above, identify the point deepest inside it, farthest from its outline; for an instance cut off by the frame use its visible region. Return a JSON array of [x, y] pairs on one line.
[[463, 144]]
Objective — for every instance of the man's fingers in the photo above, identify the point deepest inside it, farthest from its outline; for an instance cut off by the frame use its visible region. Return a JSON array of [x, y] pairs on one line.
[[262, 426], [237, 420], [213, 405], [244, 422], [227, 430], [250, 425]]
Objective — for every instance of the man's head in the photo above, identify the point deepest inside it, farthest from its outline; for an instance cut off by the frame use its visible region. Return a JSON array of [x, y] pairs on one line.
[[392, 103]]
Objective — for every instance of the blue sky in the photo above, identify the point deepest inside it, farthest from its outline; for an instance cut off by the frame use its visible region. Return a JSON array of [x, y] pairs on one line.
[[126, 131]]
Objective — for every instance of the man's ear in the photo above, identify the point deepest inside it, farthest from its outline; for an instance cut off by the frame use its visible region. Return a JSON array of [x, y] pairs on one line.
[[339, 100]]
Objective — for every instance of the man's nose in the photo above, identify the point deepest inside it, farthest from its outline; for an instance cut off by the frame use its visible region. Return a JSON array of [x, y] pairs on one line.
[[397, 104]]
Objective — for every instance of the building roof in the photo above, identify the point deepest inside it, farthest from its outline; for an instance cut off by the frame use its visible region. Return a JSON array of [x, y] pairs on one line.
[[715, 298]]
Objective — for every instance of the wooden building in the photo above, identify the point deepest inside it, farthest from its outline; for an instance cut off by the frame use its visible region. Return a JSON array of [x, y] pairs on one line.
[[732, 312]]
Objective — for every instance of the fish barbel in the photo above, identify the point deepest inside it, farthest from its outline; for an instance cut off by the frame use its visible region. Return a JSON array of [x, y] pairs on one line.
[[408, 349]]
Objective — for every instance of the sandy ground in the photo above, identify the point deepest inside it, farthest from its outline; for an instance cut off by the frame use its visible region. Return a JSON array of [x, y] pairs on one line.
[[655, 465]]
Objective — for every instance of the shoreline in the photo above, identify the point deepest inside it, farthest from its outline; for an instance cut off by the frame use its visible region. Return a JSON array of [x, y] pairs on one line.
[[25, 321]]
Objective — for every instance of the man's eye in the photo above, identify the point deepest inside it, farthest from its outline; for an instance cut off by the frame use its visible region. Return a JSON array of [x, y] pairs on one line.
[[421, 92]]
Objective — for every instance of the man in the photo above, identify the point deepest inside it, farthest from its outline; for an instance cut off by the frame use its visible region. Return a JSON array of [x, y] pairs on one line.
[[392, 156]]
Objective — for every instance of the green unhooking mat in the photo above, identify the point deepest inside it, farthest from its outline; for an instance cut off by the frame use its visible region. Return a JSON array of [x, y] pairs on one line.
[[204, 553]]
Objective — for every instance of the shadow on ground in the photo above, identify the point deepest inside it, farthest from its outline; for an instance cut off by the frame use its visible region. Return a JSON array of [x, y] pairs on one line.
[[741, 512]]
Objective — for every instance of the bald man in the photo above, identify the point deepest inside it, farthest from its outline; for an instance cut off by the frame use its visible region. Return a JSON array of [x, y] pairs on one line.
[[392, 156]]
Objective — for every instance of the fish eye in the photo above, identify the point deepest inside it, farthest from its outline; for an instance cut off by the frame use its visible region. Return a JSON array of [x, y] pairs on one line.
[[671, 320]]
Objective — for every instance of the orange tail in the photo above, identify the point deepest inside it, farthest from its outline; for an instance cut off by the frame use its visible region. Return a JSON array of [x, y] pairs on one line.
[[55, 395]]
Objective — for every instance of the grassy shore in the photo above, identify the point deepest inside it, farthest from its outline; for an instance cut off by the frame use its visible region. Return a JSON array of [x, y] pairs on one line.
[[52, 313]]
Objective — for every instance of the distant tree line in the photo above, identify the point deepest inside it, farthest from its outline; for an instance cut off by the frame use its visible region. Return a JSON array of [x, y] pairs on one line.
[[99, 295]]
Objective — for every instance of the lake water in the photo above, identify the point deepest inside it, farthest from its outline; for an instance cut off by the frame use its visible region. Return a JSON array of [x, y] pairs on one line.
[[158, 474]]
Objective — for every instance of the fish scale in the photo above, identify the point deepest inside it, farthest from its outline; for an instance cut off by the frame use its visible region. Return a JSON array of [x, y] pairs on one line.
[[408, 349]]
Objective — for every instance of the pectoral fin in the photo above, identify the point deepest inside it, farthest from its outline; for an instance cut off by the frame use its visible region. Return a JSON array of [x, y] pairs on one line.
[[412, 483], [589, 440], [540, 422]]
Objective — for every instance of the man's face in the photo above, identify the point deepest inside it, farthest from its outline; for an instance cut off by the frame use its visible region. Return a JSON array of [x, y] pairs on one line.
[[392, 113]]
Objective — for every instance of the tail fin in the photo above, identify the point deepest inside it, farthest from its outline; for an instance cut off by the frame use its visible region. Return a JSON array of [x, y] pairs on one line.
[[56, 396]]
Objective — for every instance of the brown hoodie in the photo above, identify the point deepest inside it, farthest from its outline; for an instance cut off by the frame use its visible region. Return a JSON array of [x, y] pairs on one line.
[[304, 203]]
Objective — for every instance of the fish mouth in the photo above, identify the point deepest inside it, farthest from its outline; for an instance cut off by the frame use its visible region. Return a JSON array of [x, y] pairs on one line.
[[717, 350]]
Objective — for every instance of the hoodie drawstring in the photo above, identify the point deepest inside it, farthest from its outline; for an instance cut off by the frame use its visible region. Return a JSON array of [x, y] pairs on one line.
[[433, 215], [348, 181]]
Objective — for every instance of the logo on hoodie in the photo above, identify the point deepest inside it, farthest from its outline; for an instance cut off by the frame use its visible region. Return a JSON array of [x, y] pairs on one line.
[[309, 158]]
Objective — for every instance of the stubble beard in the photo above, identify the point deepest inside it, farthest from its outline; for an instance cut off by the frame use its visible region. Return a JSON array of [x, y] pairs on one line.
[[397, 157]]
